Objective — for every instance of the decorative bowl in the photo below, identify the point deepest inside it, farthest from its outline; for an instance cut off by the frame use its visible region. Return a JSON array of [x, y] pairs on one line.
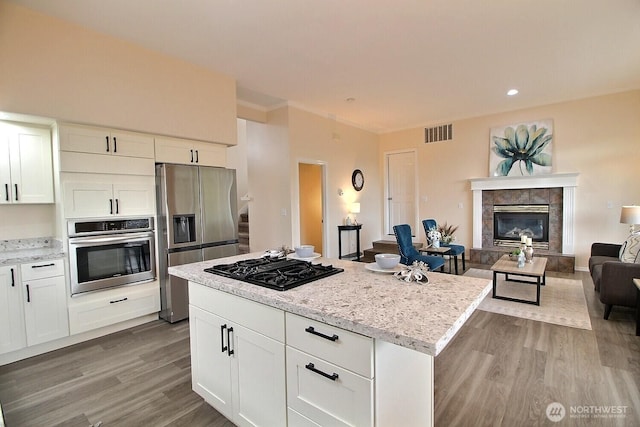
[[387, 261], [304, 251]]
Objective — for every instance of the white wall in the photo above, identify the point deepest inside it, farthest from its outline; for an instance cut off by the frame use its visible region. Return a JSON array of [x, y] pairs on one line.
[[599, 138], [55, 69], [269, 182]]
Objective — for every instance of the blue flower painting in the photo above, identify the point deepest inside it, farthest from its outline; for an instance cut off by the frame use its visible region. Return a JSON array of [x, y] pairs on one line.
[[521, 150]]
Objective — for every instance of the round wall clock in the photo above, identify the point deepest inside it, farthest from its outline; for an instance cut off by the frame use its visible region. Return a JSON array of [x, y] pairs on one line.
[[357, 179]]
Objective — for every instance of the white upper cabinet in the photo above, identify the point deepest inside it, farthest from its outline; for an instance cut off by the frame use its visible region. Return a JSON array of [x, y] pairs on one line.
[[187, 152], [96, 195], [83, 139], [26, 171]]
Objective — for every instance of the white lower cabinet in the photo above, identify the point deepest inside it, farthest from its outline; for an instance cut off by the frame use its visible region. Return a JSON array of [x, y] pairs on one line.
[[98, 309], [238, 357], [12, 332], [332, 377], [326, 393], [329, 374], [45, 301]]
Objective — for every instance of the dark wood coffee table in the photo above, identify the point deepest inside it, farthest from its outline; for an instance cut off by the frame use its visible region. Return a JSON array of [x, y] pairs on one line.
[[509, 267]]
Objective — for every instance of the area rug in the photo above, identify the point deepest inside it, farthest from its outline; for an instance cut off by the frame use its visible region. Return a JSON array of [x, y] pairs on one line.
[[562, 301]]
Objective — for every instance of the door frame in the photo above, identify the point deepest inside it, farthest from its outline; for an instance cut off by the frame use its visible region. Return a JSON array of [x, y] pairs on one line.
[[295, 210], [386, 228]]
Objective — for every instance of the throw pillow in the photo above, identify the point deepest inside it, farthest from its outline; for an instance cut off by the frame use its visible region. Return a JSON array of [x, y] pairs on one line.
[[630, 250]]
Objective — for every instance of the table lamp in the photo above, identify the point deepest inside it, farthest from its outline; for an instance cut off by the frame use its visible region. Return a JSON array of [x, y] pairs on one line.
[[630, 215], [355, 209]]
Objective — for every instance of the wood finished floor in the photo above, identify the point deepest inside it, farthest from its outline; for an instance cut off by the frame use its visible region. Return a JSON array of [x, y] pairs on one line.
[[497, 371]]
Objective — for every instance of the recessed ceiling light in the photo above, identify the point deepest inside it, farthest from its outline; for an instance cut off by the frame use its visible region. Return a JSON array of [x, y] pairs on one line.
[[512, 92]]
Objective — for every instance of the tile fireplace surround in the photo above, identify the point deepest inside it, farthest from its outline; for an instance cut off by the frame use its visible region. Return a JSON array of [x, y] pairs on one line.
[[556, 190]]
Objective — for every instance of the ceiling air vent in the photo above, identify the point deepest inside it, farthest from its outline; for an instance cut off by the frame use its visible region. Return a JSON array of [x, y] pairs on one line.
[[438, 133]]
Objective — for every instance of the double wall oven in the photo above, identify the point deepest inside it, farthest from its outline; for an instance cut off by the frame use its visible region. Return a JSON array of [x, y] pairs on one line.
[[105, 253]]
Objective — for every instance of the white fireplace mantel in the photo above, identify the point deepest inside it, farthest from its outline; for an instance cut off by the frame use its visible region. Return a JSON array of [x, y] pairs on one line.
[[568, 182]]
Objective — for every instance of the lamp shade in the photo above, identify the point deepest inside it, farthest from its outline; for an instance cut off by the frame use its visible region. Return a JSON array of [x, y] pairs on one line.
[[355, 208], [630, 215]]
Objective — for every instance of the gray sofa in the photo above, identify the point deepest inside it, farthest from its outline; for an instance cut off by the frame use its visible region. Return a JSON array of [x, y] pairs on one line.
[[612, 278]]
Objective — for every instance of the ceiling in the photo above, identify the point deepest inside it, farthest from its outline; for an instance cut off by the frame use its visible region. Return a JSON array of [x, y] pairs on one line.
[[403, 63]]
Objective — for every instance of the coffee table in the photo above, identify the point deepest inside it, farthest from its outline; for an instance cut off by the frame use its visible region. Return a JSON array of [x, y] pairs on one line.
[[508, 267]]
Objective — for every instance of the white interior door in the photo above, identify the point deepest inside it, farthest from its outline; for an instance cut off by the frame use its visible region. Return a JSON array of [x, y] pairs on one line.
[[401, 190]]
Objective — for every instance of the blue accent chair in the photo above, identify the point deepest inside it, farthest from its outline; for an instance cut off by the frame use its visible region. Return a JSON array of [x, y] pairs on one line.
[[409, 254], [454, 250]]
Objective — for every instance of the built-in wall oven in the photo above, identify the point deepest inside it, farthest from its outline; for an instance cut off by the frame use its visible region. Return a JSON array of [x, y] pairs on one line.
[[104, 253]]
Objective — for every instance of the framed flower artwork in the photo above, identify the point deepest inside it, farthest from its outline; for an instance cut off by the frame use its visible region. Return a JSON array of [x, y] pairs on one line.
[[522, 149]]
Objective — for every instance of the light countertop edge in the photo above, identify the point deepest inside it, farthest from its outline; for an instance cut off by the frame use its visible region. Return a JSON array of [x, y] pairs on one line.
[[421, 317], [9, 256]]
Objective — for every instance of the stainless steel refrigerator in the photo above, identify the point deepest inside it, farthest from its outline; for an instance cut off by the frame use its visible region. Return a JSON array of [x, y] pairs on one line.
[[197, 221]]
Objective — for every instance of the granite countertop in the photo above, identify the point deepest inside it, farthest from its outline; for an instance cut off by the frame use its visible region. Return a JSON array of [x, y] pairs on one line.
[[29, 250], [423, 317]]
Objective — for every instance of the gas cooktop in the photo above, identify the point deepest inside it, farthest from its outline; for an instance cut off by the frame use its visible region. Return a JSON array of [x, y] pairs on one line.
[[280, 274]]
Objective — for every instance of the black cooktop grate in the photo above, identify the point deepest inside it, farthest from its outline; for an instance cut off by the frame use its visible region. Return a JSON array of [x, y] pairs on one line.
[[280, 274]]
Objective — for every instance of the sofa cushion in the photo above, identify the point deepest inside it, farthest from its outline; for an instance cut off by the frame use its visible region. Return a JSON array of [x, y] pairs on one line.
[[630, 250], [599, 260]]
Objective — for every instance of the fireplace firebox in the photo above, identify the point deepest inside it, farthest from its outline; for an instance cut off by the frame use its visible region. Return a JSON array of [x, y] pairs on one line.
[[510, 222]]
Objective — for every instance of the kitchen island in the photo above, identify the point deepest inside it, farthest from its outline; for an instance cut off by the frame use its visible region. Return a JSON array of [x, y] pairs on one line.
[[353, 348]]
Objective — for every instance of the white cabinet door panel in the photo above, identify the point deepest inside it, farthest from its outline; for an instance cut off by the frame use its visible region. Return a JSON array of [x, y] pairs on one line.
[[46, 315], [87, 199], [131, 144], [26, 169], [134, 197], [210, 366], [259, 396], [12, 331]]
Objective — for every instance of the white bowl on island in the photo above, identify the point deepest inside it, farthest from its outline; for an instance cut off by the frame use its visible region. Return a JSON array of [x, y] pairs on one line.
[[304, 251], [387, 261]]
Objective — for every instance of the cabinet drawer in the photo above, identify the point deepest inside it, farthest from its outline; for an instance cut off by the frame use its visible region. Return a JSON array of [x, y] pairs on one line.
[[261, 318], [42, 269], [346, 400], [95, 310], [349, 350]]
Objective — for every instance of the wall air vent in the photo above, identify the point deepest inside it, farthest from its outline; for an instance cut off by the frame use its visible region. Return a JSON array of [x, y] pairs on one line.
[[438, 133]]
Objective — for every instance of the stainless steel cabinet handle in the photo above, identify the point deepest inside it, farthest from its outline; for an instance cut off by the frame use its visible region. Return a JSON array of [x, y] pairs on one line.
[[13, 281], [111, 206], [107, 138], [28, 294], [117, 206], [115, 145], [16, 185], [118, 300], [191, 156], [197, 160]]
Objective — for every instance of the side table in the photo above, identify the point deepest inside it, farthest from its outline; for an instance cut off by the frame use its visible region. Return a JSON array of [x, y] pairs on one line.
[[342, 228]]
